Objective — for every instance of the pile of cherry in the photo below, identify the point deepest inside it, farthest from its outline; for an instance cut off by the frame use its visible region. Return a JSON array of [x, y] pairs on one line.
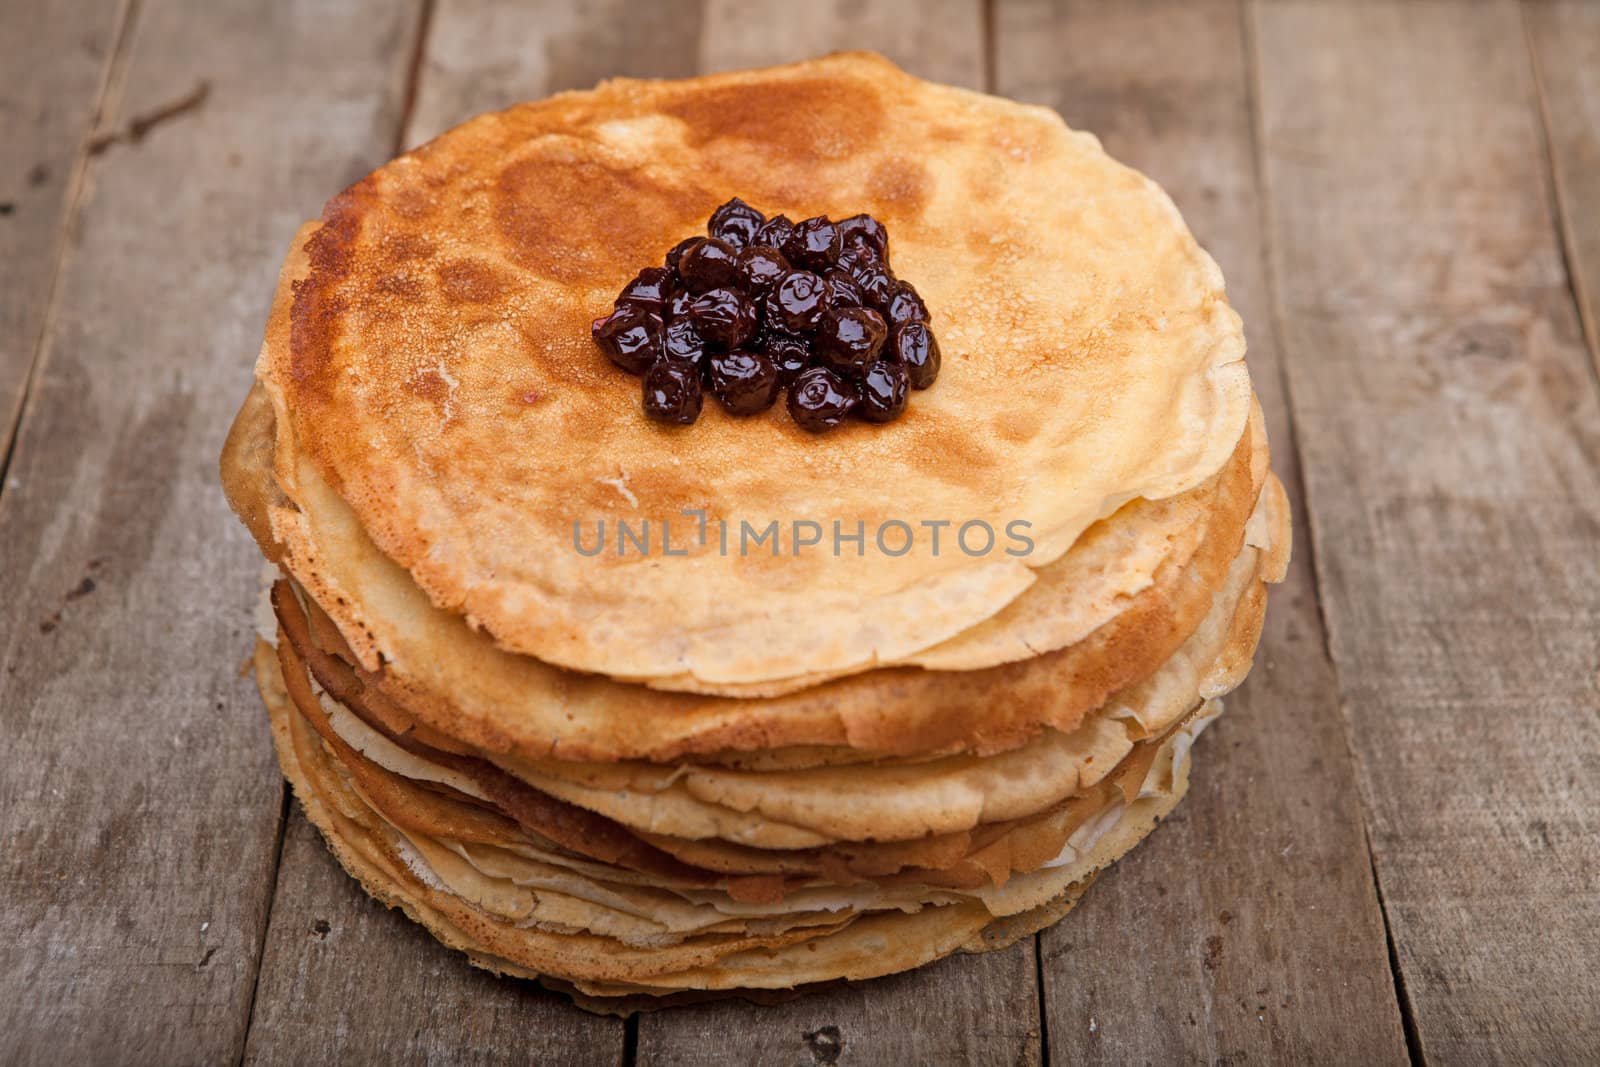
[[763, 305]]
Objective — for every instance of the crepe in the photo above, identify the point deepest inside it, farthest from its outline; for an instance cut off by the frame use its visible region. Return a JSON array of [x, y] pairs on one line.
[[438, 375], [462, 683], [648, 779]]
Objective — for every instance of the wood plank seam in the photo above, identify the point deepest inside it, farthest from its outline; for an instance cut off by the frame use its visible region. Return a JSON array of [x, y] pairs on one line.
[[990, 47], [1408, 1018], [419, 53], [285, 809], [1305, 541], [1306, 536], [630, 1040], [106, 97], [1039, 995], [1560, 210]]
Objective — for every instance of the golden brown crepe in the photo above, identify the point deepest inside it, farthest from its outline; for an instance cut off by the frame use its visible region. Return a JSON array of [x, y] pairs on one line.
[[648, 780]]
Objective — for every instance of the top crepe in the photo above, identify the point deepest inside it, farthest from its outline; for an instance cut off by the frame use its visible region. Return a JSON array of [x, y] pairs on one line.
[[440, 374]]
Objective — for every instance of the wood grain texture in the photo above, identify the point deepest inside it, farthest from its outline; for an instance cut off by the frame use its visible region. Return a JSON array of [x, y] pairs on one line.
[[939, 39], [487, 54], [1565, 39], [54, 62], [345, 979], [1450, 433], [1247, 929], [966, 1009], [140, 806], [963, 1009]]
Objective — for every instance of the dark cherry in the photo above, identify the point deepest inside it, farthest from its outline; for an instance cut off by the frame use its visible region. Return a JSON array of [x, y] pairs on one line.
[[672, 392], [763, 305], [848, 339], [914, 347], [708, 264], [819, 399], [630, 336], [676, 253], [856, 254], [814, 244], [866, 229], [883, 391], [723, 317], [760, 267], [650, 288], [796, 302], [877, 284], [744, 380], [678, 306], [789, 354], [682, 342], [775, 232], [905, 306], [843, 290], [735, 222]]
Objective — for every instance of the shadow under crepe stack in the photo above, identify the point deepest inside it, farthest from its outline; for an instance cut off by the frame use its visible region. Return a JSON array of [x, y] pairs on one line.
[[643, 778]]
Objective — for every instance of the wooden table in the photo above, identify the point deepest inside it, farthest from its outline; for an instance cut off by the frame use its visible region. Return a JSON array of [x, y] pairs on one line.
[[1392, 849]]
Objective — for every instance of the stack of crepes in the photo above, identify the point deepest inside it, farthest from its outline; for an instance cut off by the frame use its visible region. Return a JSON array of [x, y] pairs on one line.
[[660, 773]]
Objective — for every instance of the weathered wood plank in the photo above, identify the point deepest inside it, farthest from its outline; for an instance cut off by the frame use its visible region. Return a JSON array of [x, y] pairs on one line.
[[939, 39], [387, 990], [1450, 434], [140, 805], [968, 1008], [1248, 928], [54, 62], [1565, 38], [964, 1009], [488, 54]]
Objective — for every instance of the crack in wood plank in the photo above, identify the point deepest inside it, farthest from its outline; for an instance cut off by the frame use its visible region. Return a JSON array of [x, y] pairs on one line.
[[419, 53], [1574, 190], [285, 809], [141, 124], [1408, 1015], [19, 383]]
